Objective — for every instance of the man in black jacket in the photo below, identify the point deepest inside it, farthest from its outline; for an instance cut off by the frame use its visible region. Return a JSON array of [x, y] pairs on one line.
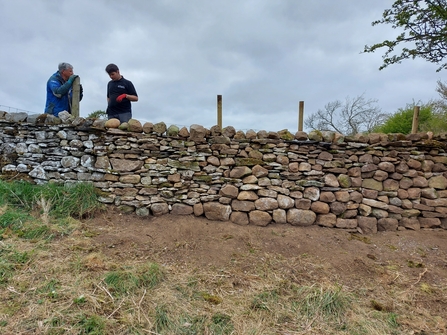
[[120, 92]]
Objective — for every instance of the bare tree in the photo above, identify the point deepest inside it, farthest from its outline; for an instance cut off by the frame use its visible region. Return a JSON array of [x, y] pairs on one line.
[[352, 117]]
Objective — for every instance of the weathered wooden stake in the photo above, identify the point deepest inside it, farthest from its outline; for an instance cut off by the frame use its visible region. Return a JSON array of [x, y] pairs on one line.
[[301, 116], [219, 111], [76, 97], [414, 128]]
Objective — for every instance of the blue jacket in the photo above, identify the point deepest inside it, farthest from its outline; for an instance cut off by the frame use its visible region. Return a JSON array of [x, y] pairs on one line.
[[59, 94]]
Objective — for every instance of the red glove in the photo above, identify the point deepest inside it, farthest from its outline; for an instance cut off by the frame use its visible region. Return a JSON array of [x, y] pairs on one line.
[[121, 97]]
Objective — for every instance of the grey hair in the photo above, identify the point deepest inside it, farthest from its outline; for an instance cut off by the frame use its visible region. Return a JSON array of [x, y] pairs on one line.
[[64, 66]]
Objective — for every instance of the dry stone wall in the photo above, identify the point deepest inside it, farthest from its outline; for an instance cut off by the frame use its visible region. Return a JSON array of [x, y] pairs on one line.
[[365, 183]]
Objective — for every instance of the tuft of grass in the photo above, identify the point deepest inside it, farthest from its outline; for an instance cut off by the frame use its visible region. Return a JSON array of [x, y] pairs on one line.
[[35, 232], [18, 194], [127, 281], [10, 261], [76, 200], [262, 300], [14, 218], [162, 321], [330, 303], [92, 325], [50, 289], [221, 324]]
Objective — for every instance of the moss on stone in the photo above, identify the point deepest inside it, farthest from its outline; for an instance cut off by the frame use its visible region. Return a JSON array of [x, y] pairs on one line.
[[248, 162], [207, 179]]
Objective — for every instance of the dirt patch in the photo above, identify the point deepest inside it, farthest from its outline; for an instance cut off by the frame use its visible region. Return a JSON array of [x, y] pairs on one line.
[[351, 258]]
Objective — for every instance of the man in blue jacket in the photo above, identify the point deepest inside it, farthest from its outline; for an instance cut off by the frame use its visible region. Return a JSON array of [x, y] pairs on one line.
[[59, 90]]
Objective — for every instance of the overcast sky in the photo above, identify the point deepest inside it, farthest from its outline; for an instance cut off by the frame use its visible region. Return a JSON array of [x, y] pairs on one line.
[[262, 56]]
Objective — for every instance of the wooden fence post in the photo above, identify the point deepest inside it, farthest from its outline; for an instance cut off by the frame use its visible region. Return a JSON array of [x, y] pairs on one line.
[[219, 111], [76, 97], [414, 128], [301, 116]]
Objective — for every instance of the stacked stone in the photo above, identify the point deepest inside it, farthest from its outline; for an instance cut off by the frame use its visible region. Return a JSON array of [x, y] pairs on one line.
[[361, 183]]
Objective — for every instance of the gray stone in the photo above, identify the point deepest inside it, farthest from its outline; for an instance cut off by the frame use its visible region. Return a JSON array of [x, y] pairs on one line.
[[266, 204], [216, 211], [301, 217]]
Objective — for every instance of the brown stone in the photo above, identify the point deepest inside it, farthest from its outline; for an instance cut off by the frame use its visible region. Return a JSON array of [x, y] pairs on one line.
[[338, 207], [429, 193], [356, 197], [346, 223], [355, 172], [181, 209], [372, 184], [259, 218], [349, 214], [410, 223], [438, 182], [293, 167], [402, 194], [387, 167], [402, 168], [242, 206], [342, 196], [320, 207], [367, 225], [380, 175], [371, 194], [429, 222], [326, 220], [198, 209], [259, 172], [327, 197], [239, 218], [387, 224], [405, 183], [125, 165], [420, 182], [303, 203], [414, 193], [414, 164], [229, 191], [331, 180], [280, 216], [247, 195]]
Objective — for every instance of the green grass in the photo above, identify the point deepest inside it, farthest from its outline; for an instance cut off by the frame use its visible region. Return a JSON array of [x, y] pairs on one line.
[[76, 200], [10, 261], [126, 281]]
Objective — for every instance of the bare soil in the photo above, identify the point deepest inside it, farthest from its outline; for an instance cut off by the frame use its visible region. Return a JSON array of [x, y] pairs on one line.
[[386, 258]]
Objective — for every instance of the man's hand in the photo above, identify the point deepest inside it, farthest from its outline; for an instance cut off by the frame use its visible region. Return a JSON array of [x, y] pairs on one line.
[[72, 78], [121, 97]]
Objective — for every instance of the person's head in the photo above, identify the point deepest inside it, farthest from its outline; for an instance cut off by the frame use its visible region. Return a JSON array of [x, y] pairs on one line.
[[113, 71], [66, 70]]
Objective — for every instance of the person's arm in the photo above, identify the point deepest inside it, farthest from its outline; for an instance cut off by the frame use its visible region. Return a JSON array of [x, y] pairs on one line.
[[60, 90], [131, 97]]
